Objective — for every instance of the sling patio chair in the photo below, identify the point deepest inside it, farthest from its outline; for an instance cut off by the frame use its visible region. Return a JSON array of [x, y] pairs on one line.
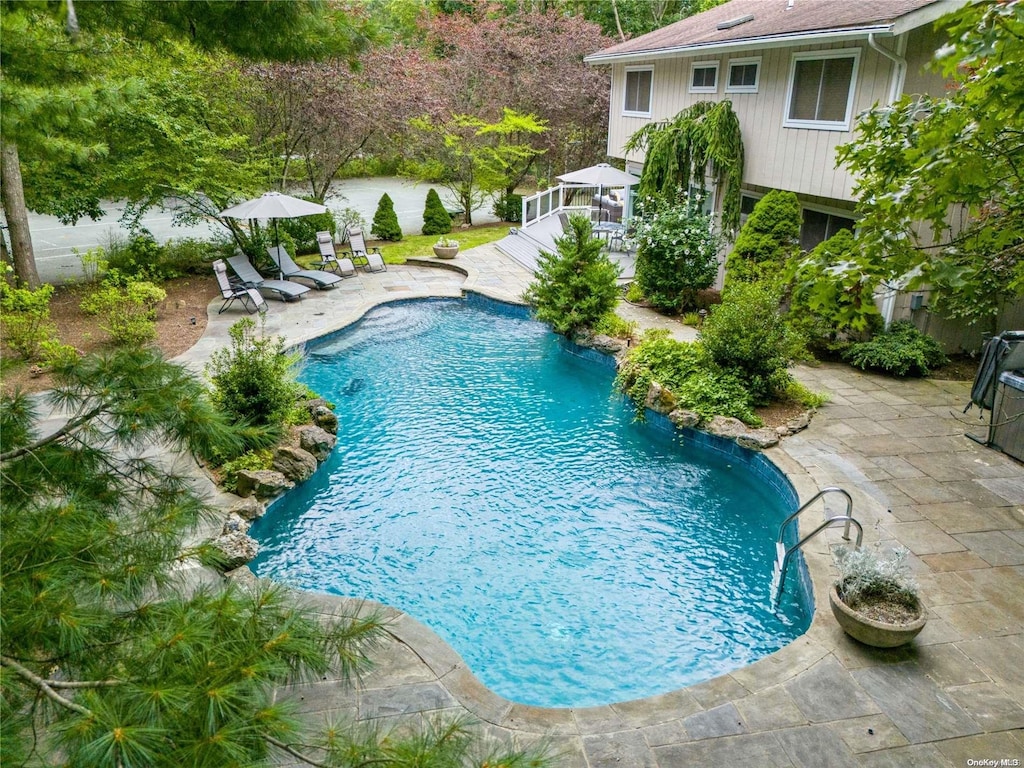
[[371, 259], [252, 300], [329, 259], [292, 271], [281, 289]]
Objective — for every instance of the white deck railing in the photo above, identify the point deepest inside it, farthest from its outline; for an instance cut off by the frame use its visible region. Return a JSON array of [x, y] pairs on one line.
[[555, 199]]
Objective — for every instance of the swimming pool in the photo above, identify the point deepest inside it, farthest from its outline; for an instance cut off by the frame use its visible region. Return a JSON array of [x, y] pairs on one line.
[[488, 483]]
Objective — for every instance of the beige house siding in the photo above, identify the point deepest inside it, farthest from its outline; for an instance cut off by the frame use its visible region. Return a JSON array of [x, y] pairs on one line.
[[921, 47], [797, 159]]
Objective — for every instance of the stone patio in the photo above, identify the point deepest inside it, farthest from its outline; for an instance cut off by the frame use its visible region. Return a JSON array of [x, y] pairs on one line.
[[955, 695]]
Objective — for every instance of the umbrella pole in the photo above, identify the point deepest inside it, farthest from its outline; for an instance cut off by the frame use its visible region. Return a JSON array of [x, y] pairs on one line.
[[277, 237]]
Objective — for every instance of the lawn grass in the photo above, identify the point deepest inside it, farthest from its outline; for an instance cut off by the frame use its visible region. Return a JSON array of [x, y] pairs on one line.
[[420, 245]]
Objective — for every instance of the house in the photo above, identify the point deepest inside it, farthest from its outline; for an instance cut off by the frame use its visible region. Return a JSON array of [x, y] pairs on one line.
[[798, 72]]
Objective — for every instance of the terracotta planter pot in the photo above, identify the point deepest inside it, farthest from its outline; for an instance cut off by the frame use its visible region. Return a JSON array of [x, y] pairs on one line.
[[445, 252], [869, 632]]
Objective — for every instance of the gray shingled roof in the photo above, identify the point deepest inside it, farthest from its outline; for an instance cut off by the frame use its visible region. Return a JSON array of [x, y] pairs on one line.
[[771, 18]]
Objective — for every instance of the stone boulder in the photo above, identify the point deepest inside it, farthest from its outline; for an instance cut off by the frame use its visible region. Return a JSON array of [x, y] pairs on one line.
[[725, 426], [659, 399], [683, 418], [758, 439], [294, 463], [261, 483], [243, 576], [235, 524], [249, 508], [607, 344], [236, 549], [317, 441], [324, 418], [798, 423]]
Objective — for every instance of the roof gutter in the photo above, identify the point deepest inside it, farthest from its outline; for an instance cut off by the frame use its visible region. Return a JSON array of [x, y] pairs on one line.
[[899, 69], [899, 77], [766, 41]]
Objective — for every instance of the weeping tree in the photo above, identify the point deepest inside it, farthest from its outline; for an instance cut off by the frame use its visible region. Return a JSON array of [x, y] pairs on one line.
[[678, 153], [108, 655]]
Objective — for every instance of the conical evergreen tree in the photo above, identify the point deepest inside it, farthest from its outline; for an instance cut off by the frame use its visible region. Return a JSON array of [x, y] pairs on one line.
[[574, 288], [385, 220], [436, 220]]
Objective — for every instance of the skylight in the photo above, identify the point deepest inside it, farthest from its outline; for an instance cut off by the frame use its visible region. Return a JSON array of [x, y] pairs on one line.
[[735, 22]]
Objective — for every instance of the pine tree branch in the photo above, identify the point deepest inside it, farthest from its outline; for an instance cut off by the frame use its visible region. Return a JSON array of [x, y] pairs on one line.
[[295, 753], [64, 431], [44, 686]]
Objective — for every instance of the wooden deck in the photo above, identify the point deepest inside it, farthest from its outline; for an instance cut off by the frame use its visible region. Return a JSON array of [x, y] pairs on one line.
[[525, 244]]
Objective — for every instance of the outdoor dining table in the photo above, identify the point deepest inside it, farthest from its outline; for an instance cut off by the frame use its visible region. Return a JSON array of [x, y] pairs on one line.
[[610, 231]]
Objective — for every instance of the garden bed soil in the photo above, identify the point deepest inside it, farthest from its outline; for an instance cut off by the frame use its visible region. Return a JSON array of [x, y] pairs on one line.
[[187, 299], [959, 368]]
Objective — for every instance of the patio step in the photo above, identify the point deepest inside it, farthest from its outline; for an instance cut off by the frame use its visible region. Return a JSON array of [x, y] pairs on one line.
[[520, 248]]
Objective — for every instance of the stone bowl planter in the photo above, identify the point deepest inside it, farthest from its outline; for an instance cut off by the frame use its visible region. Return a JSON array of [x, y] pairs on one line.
[[874, 633], [446, 252]]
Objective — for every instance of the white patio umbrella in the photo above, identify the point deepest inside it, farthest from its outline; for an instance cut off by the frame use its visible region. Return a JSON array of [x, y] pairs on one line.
[[601, 175], [273, 205]]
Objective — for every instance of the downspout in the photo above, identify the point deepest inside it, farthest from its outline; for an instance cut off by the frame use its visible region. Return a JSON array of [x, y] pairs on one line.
[[899, 78]]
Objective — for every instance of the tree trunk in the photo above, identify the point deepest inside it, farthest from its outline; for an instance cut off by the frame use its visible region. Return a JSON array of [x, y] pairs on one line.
[[466, 198], [12, 192]]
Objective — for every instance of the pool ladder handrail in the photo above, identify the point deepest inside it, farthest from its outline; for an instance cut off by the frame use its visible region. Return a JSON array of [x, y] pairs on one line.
[[784, 553]]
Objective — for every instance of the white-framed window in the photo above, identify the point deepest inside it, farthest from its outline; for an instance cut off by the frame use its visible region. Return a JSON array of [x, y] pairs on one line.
[[819, 224], [744, 75], [821, 86], [639, 85], [747, 202], [704, 77]]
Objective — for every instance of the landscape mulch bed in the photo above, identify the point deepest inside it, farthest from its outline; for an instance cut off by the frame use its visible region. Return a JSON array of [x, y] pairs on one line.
[[180, 322]]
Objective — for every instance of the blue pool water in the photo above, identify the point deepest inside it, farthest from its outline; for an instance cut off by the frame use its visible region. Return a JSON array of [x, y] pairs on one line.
[[487, 482]]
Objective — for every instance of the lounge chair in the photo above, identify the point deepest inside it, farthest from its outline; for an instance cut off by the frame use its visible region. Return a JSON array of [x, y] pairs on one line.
[[372, 260], [329, 259], [292, 271], [281, 289], [231, 292]]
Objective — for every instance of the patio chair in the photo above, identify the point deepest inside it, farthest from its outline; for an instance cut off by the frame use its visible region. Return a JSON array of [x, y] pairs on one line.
[[231, 292], [563, 219], [329, 259], [281, 289], [371, 260], [292, 271]]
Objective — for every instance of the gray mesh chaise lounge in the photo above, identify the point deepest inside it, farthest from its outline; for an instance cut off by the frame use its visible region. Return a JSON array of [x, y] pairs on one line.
[[329, 259], [231, 292], [281, 289], [292, 271], [371, 260]]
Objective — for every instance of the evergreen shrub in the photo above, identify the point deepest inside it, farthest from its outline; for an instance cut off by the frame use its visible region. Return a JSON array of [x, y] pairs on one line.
[[436, 220], [253, 379], [768, 239], [576, 287], [747, 334], [830, 301], [902, 350], [509, 207], [385, 220]]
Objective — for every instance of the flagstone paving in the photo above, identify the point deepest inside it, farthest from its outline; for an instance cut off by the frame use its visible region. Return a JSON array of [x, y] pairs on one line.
[[953, 696]]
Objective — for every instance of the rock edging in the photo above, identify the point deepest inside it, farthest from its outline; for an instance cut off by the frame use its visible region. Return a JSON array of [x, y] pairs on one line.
[[661, 400], [295, 459]]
